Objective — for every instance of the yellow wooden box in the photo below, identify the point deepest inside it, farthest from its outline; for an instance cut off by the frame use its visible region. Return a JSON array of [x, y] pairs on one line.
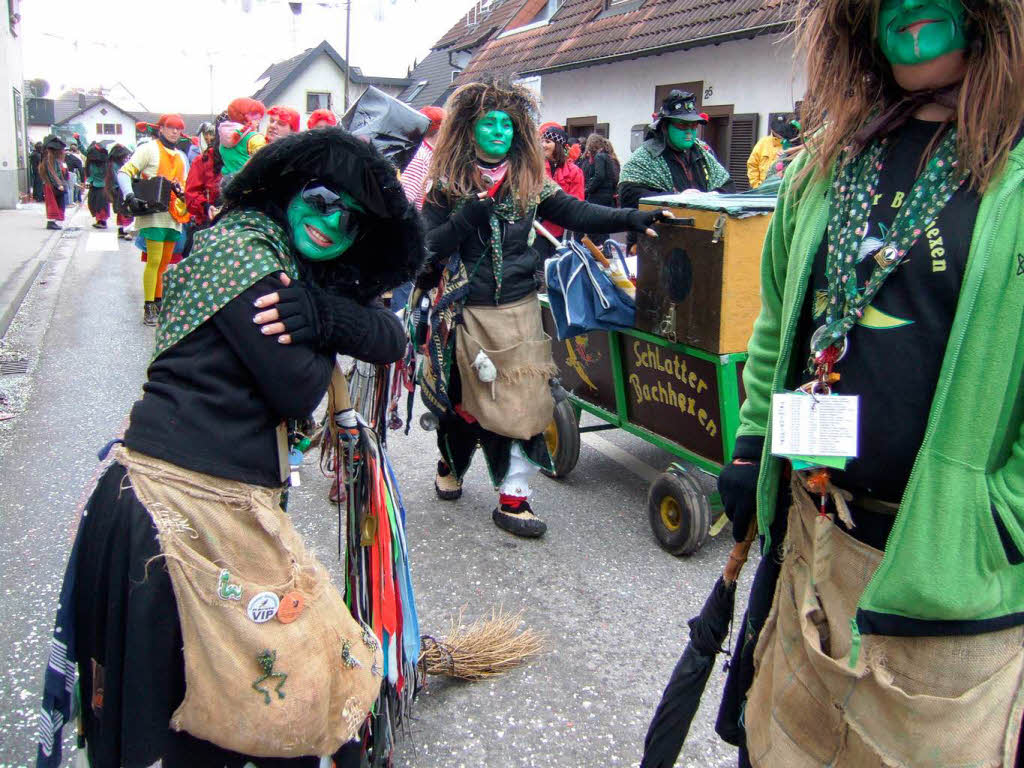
[[699, 281]]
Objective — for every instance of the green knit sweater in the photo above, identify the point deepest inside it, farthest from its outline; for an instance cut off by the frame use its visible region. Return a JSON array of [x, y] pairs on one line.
[[948, 568]]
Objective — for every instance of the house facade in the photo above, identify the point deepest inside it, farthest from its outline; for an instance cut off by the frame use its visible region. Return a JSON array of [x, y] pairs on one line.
[[315, 79], [99, 120], [604, 65], [737, 84], [13, 149]]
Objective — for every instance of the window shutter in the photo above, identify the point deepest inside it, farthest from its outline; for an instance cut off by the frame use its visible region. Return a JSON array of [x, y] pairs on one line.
[[742, 136]]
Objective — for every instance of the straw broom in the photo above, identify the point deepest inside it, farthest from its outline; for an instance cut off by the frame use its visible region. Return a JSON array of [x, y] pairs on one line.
[[485, 648]]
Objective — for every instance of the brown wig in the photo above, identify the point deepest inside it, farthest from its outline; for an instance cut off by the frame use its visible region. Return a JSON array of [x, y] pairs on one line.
[[598, 143], [49, 167], [848, 79], [454, 163]]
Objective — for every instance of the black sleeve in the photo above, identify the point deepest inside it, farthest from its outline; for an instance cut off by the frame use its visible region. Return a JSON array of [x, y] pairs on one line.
[[445, 231], [565, 210], [371, 332], [291, 377], [630, 194], [601, 175]]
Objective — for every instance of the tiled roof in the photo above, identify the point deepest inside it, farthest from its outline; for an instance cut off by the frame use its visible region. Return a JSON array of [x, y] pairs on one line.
[[583, 33], [475, 27], [437, 73]]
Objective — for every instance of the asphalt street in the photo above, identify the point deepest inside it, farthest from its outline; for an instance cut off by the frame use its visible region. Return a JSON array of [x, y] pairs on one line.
[[611, 604]]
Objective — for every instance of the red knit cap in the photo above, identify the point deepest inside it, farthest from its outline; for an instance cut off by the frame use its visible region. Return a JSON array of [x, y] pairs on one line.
[[321, 117], [171, 121], [436, 116], [286, 114]]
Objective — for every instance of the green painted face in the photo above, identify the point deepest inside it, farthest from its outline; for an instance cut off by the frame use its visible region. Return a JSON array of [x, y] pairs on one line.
[[681, 135], [322, 232], [493, 133], [915, 31]]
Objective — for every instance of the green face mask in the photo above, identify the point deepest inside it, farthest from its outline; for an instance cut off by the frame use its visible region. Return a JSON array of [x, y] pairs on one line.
[[915, 31], [681, 136], [321, 222], [493, 133]]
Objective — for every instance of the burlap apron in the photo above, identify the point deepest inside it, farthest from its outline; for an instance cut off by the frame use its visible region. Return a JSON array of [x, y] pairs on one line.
[[919, 702], [270, 689], [518, 403]]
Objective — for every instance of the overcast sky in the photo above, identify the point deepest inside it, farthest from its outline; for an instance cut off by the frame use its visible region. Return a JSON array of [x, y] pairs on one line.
[[90, 43]]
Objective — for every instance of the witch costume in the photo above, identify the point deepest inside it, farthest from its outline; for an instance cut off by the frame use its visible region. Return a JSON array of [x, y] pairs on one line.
[[203, 631], [489, 360], [657, 167], [885, 624]]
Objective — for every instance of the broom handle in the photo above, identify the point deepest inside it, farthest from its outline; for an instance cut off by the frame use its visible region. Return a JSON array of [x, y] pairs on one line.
[[738, 555], [339, 390], [543, 232], [596, 252]]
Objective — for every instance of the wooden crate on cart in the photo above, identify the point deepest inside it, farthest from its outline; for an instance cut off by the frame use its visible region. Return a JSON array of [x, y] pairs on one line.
[[675, 381]]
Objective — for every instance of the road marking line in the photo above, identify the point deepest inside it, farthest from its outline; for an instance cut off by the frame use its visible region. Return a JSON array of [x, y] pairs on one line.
[[101, 241], [644, 471]]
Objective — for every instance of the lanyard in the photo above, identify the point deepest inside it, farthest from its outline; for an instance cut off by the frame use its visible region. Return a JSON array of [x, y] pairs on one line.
[[853, 194]]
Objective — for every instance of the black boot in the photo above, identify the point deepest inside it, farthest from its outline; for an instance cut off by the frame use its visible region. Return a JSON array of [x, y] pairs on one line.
[[519, 521], [159, 305], [52, 225], [149, 313]]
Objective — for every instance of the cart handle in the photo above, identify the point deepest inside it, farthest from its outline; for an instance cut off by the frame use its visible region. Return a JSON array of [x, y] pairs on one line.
[[684, 221]]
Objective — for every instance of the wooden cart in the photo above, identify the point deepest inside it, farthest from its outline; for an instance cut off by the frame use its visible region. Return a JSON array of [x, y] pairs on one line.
[[675, 381]]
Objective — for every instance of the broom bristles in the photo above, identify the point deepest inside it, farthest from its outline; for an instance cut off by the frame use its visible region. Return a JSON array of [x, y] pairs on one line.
[[484, 648]]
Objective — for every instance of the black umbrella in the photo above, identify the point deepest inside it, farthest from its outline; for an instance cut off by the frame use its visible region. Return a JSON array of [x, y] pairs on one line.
[[682, 695]]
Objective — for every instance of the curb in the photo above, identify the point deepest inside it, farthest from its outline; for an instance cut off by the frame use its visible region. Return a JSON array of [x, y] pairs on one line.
[[29, 274]]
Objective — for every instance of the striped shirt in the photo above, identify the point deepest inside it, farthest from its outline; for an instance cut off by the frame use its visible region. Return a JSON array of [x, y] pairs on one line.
[[415, 174]]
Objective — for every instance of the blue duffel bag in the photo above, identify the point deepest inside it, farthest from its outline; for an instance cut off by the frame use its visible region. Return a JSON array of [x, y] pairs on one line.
[[582, 297]]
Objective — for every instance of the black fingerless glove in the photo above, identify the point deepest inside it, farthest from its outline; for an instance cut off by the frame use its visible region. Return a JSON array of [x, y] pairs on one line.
[[298, 311], [311, 315], [641, 220], [737, 485]]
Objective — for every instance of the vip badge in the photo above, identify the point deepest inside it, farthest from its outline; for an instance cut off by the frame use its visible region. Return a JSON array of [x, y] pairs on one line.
[[263, 607]]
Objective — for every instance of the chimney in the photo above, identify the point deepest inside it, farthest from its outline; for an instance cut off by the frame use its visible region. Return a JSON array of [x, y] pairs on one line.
[[81, 101]]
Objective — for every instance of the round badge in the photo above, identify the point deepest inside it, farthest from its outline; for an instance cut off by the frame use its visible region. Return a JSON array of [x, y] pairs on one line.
[[263, 607], [291, 606]]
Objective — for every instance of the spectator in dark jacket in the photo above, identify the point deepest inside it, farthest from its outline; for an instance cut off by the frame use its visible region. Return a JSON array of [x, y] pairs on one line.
[[600, 169], [35, 178]]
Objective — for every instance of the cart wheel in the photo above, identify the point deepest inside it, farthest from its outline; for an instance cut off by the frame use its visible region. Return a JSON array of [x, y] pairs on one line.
[[563, 439], [679, 512]]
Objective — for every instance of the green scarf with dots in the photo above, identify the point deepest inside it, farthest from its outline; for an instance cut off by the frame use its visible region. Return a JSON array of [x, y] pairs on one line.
[[510, 210], [239, 250]]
